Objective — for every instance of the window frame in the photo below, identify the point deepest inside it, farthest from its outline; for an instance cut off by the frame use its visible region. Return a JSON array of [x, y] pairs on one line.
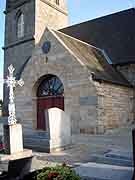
[[58, 2], [20, 25], [50, 86]]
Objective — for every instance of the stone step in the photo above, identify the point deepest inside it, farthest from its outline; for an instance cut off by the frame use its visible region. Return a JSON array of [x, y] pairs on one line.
[[120, 154], [37, 135], [33, 142], [41, 145], [4, 166], [111, 160], [37, 147]]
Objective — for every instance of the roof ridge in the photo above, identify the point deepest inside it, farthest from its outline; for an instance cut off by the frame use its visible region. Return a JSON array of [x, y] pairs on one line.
[[101, 17], [79, 40]]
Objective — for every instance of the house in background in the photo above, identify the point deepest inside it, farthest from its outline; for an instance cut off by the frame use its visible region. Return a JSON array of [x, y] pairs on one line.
[[78, 79]]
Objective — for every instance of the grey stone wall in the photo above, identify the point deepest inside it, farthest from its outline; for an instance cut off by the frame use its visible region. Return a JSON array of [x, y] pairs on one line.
[[17, 55], [115, 105], [28, 9], [48, 14], [10, 4], [17, 50], [79, 92]]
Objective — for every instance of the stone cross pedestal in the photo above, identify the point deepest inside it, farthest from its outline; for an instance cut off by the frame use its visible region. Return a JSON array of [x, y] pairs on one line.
[[14, 155], [13, 138]]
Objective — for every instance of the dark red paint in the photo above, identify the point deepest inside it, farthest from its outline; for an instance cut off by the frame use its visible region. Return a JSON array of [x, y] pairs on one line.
[[47, 103]]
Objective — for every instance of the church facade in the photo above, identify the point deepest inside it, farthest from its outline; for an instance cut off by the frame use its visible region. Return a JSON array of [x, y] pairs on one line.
[[75, 83]]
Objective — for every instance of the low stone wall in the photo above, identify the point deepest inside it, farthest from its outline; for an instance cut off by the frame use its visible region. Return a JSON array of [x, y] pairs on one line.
[[115, 105]]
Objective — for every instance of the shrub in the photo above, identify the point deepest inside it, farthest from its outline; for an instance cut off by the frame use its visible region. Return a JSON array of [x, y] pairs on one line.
[[57, 173]]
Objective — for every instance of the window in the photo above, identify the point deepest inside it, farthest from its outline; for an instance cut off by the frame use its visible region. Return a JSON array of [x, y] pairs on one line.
[[20, 26], [50, 86], [57, 2]]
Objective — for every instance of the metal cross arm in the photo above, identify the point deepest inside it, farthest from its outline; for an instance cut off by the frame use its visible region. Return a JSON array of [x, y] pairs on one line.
[[11, 84]]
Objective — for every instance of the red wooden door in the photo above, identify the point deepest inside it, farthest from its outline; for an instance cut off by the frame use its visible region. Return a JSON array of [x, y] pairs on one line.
[[44, 104]]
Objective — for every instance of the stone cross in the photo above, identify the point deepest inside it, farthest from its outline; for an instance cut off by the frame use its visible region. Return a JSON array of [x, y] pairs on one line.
[[12, 83]]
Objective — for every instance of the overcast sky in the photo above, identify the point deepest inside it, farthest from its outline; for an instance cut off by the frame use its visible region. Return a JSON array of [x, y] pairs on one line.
[[79, 10]]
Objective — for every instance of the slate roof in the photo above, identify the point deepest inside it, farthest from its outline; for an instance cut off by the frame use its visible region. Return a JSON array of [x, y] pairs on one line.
[[114, 33], [94, 59]]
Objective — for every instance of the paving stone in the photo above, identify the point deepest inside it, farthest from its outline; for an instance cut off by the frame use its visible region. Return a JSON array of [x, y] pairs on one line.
[[103, 171]]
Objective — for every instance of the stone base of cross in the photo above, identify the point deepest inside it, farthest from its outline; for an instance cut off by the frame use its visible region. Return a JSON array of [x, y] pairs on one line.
[[17, 160], [11, 84]]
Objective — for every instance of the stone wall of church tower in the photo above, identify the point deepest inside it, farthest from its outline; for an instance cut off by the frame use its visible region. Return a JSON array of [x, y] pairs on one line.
[[17, 50], [38, 14], [50, 14]]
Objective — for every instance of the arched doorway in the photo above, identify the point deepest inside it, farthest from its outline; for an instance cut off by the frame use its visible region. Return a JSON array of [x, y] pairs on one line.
[[50, 93]]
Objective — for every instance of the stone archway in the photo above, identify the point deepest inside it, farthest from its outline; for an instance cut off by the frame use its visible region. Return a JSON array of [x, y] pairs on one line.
[[50, 94]]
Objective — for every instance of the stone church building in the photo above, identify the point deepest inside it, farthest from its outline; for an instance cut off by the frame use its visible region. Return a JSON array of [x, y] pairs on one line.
[[78, 79]]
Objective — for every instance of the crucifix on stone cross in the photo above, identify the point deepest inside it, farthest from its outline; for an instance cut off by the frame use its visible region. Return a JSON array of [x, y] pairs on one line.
[[11, 84]]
